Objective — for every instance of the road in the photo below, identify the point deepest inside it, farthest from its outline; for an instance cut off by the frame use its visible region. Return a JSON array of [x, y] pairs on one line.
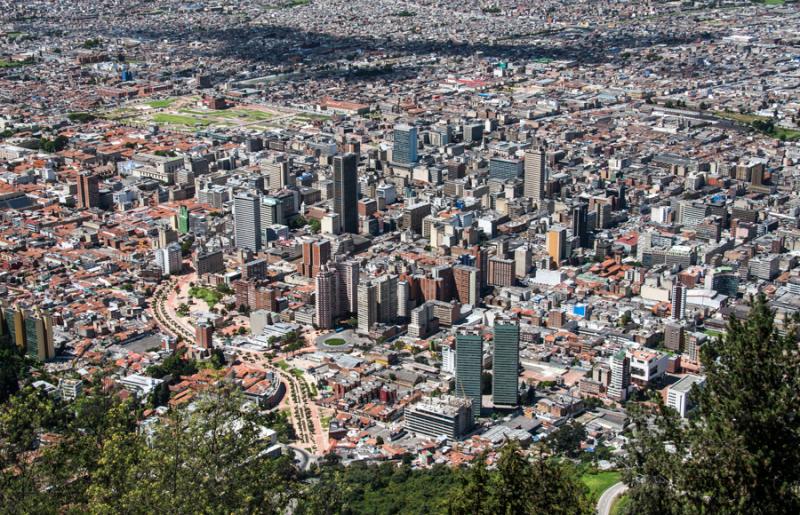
[[608, 497]]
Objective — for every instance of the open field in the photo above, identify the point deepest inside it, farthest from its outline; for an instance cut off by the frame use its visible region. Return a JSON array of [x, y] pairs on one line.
[[600, 481]]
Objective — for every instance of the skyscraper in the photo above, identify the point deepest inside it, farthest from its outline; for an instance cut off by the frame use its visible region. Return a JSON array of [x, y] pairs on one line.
[[505, 364], [326, 297], [469, 365], [183, 220], [404, 150], [367, 306], [620, 376], [345, 191], [678, 301], [88, 190], [403, 292], [580, 228], [347, 273], [315, 254], [535, 174], [204, 334], [387, 298], [522, 261], [557, 243], [169, 259], [247, 221], [31, 332]]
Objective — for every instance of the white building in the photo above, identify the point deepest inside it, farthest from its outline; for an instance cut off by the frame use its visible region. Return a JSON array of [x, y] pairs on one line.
[[678, 395]]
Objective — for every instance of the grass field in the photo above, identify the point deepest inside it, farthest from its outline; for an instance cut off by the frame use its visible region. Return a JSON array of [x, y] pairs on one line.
[[159, 104], [10, 64], [335, 342], [177, 119], [282, 365], [739, 117], [599, 482], [207, 294]]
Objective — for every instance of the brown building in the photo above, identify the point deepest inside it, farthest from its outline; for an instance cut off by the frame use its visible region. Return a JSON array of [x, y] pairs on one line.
[[88, 190], [501, 272], [204, 333], [315, 254]]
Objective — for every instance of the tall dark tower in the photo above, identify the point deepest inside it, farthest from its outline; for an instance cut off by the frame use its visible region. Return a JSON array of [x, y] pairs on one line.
[[88, 190], [579, 224], [345, 191]]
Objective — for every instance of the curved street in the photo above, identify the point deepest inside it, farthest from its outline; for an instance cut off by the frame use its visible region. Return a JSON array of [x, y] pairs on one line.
[[606, 500]]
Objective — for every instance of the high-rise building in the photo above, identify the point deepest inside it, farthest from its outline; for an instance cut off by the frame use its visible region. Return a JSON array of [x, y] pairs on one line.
[[387, 298], [620, 376], [326, 297], [403, 293], [315, 254], [522, 261], [183, 220], [278, 174], [505, 364], [678, 301], [404, 150], [674, 337], [501, 271], [88, 190], [169, 259], [204, 334], [247, 221], [367, 306], [345, 191], [469, 367], [602, 215], [535, 174], [31, 332], [271, 212], [580, 228], [504, 169], [467, 284], [347, 275], [557, 244]]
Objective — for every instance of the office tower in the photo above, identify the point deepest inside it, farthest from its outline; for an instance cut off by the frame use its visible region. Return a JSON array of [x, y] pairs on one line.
[[469, 365], [183, 220], [404, 150], [580, 228], [387, 298], [347, 274], [504, 169], [501, 272], [448, 359], [345, 191], [678, 301], [247, 221], [522, 261], [165, 237], [620, 376], [88, 190], [557, 244], [467, 284], [169, 259], [204, 333], [403, 293], [602, 215], [278, 174], [367, 306], [505, 364], [449, 417], [271, 212], [673, 337], [326, 297], [31, 332], [315, 254], [535, 175]]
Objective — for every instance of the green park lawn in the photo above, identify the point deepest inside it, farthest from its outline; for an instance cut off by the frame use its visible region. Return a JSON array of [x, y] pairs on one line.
[[209, 295], [335, 342], [599, 482], [176, 119], [158, 104]]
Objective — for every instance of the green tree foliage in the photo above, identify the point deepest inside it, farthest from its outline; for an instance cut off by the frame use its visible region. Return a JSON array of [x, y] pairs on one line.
[[174, 365], [740, 453], [519, 486], [567, 439]]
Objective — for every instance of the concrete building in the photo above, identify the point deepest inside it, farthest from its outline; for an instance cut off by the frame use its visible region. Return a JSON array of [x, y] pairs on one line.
[[620, 376], [367, 306], [535, 174], [404, 150], [247, 221], [326, 297], [345, 191], [447, 416], [679, 394], [505, 363], [469, 367]]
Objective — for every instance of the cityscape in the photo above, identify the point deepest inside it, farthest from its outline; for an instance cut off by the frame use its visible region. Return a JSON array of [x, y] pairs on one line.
[[485, 257]]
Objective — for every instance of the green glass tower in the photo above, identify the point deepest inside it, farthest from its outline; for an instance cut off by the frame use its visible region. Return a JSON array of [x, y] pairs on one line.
[[505, 365], [183, 220], [469, 361]]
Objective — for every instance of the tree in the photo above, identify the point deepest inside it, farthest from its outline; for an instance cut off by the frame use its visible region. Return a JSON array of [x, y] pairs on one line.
[[567, 439], [315, 225], [739, 453]]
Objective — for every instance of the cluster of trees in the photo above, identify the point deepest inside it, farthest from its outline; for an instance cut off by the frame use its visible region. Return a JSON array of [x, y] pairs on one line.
[[53, 145], [740, 451]]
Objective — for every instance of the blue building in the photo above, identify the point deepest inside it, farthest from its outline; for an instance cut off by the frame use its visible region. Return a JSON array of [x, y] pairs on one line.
[[405, 145]]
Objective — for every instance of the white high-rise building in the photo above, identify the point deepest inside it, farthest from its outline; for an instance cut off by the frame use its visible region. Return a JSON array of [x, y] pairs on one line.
[[169, 259], [448, 359], [535, 176], [326, 297], [247, 221], [367, 306]]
